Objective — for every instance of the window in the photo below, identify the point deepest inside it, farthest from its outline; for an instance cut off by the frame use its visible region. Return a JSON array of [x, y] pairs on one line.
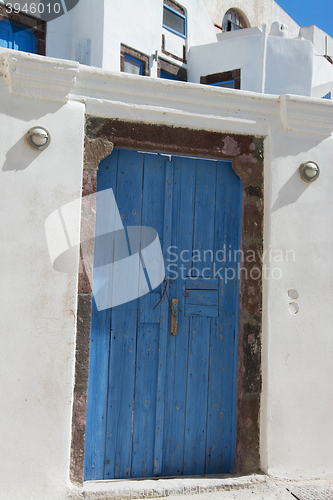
[[174, 18], [134, 62], [228, 79], [327, 96], [230, 84], [168, 76], [169, 71], [22, 32], [133, 66], [233, 20]]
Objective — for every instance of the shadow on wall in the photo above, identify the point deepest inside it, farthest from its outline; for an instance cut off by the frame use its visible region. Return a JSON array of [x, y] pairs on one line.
[[290, 192], [19, 156]]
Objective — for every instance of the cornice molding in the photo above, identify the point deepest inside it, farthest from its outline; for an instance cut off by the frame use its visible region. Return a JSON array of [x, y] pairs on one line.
[[136, 98], [38, 77], [305, 114]]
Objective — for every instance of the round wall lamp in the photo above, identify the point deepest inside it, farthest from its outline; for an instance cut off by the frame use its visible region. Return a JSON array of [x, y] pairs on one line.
[[309, 171], [38, 138]]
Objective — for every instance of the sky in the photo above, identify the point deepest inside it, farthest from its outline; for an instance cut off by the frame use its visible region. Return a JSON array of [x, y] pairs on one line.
[[307, 12]]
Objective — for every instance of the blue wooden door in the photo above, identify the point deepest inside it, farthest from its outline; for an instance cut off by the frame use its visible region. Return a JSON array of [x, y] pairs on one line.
[[162, 404], [13, 36]]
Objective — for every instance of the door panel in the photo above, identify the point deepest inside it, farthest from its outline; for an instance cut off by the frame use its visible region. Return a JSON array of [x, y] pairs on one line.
[[163, 405]]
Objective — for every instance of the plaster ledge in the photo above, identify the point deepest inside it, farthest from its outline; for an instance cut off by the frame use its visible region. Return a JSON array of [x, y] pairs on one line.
[[38, 77], [306, 114], [256, 486], [106, 92], [169, 486]]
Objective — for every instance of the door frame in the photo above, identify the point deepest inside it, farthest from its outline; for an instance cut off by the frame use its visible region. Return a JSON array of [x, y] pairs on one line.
[[246, 154]]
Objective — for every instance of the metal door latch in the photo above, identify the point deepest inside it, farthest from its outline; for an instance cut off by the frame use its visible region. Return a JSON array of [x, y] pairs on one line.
[[174, 316]]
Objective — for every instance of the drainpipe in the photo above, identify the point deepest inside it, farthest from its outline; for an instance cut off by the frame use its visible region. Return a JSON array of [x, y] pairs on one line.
[[153, 64], [264, 53]]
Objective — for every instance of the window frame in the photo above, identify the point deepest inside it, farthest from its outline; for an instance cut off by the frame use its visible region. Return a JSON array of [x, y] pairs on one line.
[[218, 84], [172, 77], [137, 56], [37, 26], [141, 63], [226, 76], [234, 13], [175, 32], [172, 69]]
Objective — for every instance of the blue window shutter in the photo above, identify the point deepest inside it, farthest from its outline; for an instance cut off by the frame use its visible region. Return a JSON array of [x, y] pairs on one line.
[[6, 34], [13, 36]]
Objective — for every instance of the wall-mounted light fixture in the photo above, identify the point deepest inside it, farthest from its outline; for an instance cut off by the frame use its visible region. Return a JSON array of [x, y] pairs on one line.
[[38, 138], [309, 171]]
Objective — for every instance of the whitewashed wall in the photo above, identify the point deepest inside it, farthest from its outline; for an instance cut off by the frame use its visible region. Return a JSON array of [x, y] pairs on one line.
[[93, 32], [234, 50], [297, 434], [105, 25], [278, 14], [322, 43], [256, 12], [271, 64], [288, 66], [38, 305]]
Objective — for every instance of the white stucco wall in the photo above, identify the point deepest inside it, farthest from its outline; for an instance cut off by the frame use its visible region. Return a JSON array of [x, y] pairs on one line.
[[106, 25], [139, 25], [289, 66], [278, 14], [297, 438], [271, 64], [321, 41], [84, 23], [38, 305], [59, 37], [322, 71], [257, 12], [233, 51], [99, 28]]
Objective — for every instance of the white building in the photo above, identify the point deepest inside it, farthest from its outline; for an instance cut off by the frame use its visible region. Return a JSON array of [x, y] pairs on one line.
[[267, 121]]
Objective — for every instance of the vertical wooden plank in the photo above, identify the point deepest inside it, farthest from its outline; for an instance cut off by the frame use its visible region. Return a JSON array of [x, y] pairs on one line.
[[164, 324], [197, 390], [145, 400], [177, 347], [223, 357], [118, 445], [99, 351], [148, 333], [97, 394]]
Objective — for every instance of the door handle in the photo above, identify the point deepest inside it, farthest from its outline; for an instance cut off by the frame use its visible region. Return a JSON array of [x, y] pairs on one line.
[[174, 317]]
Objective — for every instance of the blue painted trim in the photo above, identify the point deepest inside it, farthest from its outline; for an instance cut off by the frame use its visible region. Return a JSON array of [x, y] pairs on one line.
[[135, 60], [17, 37], [167, 76], [327, 96], [180, 15], [219, 83]]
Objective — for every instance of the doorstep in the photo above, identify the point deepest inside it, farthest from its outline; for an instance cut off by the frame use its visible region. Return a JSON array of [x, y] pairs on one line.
[[252, 487]]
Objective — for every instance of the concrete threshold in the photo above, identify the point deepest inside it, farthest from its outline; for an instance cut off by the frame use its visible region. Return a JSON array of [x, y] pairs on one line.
[[252, 487]]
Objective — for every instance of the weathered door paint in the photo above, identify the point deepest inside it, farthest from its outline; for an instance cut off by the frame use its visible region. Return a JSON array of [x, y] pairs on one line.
[[162, 404]]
